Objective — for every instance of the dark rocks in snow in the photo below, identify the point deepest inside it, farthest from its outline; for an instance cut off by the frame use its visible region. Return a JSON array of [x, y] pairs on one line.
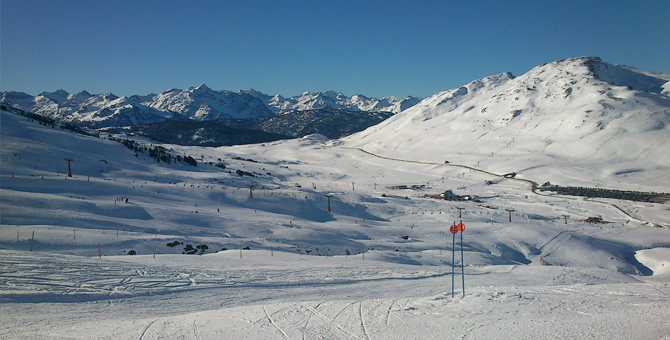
[[242, 173], [188, 249]]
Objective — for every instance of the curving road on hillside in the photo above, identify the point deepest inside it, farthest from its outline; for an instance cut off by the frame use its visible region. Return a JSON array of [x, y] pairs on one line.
[[533, 185]]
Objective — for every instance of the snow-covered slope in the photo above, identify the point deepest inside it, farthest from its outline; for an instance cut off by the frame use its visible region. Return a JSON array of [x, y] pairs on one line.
[[309, 273], [581, 117], [198, 103]]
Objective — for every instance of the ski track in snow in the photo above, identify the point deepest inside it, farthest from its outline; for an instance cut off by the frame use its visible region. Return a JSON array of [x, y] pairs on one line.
[[274, 324], [195, 329], [388, 313], [146, 329], [360, 311]]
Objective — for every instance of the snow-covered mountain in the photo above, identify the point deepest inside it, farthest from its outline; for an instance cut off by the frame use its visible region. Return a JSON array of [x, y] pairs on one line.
[[92, 110], [605, 120], [202, 103], [198, 103], [337, 100]]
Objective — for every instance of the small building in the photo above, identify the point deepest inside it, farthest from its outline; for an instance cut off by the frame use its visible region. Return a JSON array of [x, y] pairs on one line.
[[450, 196]]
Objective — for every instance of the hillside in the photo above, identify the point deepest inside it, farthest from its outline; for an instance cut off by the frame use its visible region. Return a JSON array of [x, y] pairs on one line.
[[580, 119], [332, 123]]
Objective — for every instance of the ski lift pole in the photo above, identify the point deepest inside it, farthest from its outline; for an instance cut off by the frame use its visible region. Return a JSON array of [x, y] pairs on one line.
[[462, 227]]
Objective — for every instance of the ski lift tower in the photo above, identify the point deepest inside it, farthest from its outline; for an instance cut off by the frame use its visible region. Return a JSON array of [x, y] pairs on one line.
[[251, 186], [460, 212], [510, 210], [566, 218], [69, 170], [328, 196]]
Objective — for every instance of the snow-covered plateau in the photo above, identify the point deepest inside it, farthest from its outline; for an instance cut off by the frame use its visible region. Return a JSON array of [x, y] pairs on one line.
[[378, 265]]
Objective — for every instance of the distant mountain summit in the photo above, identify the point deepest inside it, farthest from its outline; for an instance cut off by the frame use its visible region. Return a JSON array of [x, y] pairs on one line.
[[336, 100], [610, 120], [199, 103]]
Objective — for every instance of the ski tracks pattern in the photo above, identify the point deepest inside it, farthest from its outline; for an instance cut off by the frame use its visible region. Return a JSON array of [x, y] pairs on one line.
[[333, 323], [309, 317], [274, 324]]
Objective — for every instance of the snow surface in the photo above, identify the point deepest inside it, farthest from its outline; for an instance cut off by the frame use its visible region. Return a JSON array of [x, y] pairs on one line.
[[311, 274]]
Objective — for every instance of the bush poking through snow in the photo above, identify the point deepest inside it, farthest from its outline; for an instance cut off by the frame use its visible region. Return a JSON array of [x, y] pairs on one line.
[[174, 244]]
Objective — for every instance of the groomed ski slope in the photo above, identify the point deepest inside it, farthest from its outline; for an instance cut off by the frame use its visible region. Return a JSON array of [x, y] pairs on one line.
[[599, 281]]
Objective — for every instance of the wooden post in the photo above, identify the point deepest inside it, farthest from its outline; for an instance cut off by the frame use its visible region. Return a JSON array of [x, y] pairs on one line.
[[74, 234], [272, 251], [99, 251], [17, 236], [154, 253], [117, 230], [32, 240]]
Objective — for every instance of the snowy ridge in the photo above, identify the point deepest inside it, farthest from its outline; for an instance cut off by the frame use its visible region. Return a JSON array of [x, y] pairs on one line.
[[605, 120], [198, 103], [337, 100]]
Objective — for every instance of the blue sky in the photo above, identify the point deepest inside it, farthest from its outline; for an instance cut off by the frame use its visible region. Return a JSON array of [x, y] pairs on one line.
[[377, 48]]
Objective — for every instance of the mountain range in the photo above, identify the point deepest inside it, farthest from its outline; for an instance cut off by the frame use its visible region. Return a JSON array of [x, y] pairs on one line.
[[198, 103]]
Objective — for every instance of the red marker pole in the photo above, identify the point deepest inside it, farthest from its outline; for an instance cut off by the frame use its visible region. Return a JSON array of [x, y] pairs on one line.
[[453, 229], [453, 262]]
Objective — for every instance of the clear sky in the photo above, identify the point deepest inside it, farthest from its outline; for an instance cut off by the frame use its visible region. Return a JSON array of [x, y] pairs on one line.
[[377, 48]]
